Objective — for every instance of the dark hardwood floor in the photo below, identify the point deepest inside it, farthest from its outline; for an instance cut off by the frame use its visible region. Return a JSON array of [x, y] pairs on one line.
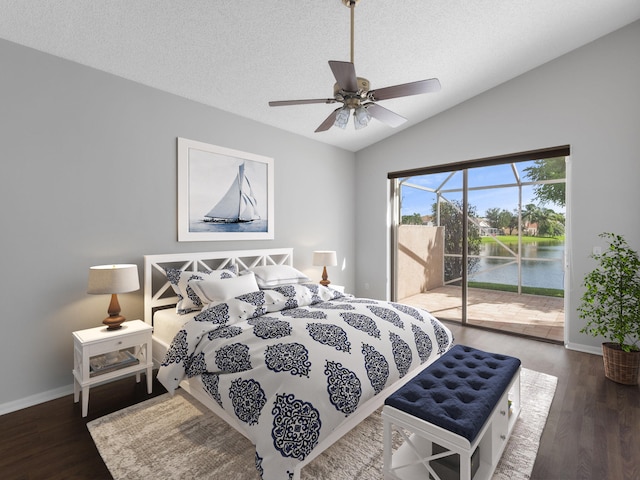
[[593, 429], [51, 440]]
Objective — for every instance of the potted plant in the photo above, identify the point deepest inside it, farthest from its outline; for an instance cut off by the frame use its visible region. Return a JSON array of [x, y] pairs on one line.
[[611, 306]]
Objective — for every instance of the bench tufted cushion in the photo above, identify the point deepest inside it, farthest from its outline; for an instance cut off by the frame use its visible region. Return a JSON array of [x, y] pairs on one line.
[[458, 391]]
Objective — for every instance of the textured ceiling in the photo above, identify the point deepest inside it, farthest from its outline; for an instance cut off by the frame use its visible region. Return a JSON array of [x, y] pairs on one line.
[[238, 55]]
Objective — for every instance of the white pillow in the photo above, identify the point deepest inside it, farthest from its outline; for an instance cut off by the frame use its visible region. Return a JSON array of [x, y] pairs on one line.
[[276, 275], [218, 290], [188, 301]]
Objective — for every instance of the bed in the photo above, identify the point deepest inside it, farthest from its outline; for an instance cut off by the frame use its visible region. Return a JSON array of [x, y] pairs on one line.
[[288, 363]]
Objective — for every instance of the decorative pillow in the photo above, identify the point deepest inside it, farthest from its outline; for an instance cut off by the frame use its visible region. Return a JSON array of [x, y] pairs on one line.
[[219, 290], [188, 301], [275, 275]]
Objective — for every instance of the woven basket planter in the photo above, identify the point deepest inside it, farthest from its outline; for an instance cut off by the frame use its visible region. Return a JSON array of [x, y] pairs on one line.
[[620, 366]]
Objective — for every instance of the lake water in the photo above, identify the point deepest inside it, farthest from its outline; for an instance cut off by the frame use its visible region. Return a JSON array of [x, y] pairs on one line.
[[547, 274]]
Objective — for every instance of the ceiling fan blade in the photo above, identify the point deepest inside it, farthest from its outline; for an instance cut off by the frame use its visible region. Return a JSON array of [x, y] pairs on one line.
[[406, 89], [328, 122], [385, 116], [282, 103], [345, 74]]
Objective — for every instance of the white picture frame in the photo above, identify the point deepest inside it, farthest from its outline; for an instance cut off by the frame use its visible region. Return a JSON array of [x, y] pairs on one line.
[[216, 184]]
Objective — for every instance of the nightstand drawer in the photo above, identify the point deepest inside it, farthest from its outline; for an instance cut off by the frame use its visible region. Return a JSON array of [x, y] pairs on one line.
[[117, 343]]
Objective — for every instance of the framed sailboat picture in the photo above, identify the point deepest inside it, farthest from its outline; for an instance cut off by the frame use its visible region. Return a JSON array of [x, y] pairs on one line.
[[223, 194]]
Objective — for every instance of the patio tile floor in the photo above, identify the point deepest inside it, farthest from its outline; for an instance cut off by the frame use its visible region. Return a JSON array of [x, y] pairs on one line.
[[530, 315]]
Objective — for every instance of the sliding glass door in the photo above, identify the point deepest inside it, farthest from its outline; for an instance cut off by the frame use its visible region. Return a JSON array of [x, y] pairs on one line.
[[470, 241]]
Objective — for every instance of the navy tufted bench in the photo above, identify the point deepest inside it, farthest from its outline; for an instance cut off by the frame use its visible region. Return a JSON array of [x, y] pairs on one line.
[[459, 412]]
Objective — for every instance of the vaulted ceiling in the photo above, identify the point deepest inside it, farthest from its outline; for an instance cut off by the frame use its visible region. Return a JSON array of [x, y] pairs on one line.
[[239, 55]]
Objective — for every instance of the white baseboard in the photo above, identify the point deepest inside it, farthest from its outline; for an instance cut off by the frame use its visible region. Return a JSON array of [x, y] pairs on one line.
[[584, 348], [35, 399]]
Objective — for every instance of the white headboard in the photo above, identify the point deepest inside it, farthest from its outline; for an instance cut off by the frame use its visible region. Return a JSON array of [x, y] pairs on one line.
[[157, 289]]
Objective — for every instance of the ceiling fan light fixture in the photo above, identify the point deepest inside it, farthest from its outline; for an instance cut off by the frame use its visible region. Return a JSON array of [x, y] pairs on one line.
[[361, 117], [342, 118]]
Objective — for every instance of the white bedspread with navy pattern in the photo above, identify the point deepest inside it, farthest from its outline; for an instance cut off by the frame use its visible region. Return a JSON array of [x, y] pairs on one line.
[[293, 362]]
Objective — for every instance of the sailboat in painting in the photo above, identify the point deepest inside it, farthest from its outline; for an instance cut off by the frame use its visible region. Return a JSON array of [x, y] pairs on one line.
[[237, 205]]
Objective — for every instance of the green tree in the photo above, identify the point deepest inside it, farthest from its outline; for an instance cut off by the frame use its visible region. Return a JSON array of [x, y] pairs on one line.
[[550, 223], [548, 169], [531, 213], [415, 219], [451, 219], [493, 217], [502, 219], [508, 221]]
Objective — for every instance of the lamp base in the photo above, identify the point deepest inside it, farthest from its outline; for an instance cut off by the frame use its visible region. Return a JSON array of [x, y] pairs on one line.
[[113, 322], [325, 278]]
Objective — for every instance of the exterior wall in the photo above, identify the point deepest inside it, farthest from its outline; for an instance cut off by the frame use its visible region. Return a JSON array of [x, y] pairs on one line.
[[420, 259]]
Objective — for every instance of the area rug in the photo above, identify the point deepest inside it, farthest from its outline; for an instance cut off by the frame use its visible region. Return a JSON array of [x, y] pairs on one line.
[[178, 438]]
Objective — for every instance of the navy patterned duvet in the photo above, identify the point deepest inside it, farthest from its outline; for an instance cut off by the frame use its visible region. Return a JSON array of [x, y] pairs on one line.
[[293, 362]]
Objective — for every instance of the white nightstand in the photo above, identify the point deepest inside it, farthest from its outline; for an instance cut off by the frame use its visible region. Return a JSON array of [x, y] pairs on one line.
[[95, 342]]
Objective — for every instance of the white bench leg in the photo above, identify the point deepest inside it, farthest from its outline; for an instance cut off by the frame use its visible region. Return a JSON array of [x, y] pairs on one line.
[[465, 467], [387, 446]]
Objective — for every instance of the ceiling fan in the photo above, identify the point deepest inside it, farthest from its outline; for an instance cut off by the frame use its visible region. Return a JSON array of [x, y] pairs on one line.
[[354, 93]]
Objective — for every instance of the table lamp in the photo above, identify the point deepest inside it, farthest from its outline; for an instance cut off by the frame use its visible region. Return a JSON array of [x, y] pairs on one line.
[[113, 279], [324, 258]]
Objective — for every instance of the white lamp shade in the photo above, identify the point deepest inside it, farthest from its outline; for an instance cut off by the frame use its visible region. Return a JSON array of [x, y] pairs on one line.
[[325, 258], [113, 279]]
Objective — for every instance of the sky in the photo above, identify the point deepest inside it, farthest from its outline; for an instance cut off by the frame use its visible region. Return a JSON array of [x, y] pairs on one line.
[[419, 201]]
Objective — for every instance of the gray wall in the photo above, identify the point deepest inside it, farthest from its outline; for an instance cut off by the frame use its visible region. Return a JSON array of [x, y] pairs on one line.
[[588, 99], [89, 177]]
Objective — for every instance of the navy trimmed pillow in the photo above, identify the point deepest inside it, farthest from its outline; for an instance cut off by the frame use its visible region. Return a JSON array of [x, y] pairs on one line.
[[188, 300]]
